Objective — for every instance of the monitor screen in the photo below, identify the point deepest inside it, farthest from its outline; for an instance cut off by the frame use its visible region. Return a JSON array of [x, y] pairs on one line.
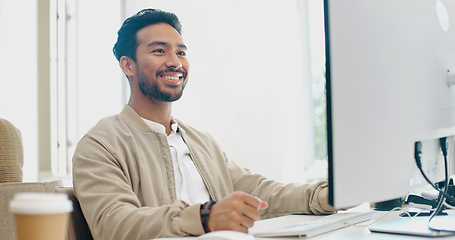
[[388, 65]]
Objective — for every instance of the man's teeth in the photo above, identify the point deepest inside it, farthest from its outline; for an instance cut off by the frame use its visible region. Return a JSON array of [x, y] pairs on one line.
[[171, 77]]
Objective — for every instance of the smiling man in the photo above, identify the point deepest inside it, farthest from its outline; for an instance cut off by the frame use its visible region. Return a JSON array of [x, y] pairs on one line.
[[142, 174], [157, 73]]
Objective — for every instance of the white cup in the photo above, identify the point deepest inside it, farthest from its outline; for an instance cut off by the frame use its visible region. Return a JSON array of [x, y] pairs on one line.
[[41, 216]]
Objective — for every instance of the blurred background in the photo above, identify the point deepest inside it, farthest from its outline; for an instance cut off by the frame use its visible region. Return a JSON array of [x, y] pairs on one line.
[[256, 79]]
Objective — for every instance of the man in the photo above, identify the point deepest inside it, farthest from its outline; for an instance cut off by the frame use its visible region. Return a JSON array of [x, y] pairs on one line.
[[142, 174]]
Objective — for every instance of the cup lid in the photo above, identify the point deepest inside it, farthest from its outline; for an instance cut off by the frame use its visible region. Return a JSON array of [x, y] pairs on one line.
[[40, 203]]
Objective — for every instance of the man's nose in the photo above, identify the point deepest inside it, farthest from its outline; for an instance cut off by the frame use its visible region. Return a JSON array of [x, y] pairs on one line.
[[173, 61]]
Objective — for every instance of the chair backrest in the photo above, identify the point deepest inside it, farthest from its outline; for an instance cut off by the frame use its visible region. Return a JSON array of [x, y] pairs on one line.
[[77, 227], [11, 162], [11, 153], [7, 191]]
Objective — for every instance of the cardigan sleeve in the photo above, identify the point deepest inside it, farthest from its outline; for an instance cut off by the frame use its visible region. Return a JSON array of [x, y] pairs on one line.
[[282, 198]]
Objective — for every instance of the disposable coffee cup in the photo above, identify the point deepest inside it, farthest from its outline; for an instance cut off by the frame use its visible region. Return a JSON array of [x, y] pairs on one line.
[[41, 216]]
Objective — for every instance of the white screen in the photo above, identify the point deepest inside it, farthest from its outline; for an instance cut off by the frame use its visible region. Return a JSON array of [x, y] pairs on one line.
[[387, 64]]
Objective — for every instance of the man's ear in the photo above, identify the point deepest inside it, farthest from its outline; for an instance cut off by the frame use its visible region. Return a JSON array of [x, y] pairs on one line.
[[128, 66]]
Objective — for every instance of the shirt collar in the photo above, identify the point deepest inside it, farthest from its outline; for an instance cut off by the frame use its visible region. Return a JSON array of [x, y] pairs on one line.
[[160, 128]]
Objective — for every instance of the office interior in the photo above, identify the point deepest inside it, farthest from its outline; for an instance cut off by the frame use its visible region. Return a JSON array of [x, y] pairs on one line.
[[256, 82]]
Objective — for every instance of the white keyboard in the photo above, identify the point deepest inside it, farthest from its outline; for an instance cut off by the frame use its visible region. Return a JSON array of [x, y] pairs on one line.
[[318, 226]]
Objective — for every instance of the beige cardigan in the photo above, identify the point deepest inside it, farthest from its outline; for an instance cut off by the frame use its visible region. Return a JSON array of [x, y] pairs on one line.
[[124, 180]]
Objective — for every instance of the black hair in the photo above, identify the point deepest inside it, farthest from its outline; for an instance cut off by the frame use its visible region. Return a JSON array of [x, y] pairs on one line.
[[126, 44]]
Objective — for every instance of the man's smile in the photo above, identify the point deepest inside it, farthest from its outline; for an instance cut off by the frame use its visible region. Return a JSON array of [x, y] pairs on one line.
[[174, 77]]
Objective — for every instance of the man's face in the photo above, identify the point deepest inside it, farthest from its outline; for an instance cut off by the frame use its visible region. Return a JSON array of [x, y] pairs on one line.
[[162, 67]]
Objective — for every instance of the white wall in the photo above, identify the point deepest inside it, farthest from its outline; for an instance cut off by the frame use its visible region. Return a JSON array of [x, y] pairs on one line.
[[99, 77], [18, 87]]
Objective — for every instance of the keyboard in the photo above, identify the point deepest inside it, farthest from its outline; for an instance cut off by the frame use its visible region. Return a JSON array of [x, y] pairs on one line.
[[315, 227]]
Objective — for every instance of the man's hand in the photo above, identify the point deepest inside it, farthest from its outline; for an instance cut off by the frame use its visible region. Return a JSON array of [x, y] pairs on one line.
[[236, 212]]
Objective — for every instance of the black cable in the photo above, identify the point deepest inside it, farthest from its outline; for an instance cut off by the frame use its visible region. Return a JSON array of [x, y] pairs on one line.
[[418, 151], [442, 198], [417, 158]]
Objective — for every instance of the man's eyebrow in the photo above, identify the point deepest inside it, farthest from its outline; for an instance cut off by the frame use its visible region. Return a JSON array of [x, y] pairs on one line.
[[165, 44], [182, 46]]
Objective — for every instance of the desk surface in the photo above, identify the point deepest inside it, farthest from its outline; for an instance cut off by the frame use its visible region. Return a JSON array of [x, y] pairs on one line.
[[359, 231]]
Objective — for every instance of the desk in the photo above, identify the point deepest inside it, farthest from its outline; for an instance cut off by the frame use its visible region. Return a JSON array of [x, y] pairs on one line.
[[349, 233]]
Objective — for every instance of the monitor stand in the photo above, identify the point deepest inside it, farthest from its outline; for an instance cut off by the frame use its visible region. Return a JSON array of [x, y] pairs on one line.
[[387, 205]]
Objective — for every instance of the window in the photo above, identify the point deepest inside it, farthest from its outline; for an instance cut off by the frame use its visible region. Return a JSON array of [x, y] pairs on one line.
[[84, 80], [96, 86], [317, 46]]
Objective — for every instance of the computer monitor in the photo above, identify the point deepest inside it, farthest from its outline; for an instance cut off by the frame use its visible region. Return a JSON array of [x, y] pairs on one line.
[[388, 65]]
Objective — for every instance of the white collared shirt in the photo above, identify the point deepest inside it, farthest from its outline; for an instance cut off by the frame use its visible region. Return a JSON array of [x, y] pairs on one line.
[[188, 182]]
